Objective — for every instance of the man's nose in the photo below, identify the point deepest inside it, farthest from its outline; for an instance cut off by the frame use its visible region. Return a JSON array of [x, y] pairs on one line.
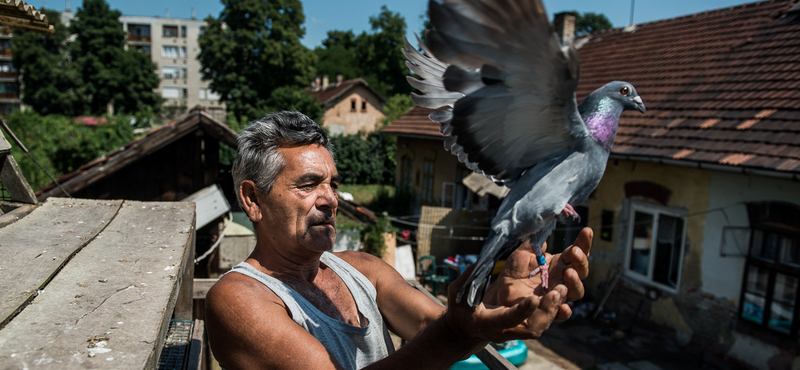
[[327, 197]]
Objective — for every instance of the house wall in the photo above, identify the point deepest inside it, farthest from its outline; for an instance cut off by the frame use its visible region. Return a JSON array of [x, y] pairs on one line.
[[340, 119], [418, 149], [704, 310]]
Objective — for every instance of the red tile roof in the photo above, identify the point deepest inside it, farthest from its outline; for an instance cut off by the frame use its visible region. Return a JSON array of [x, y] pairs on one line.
[[415, 123], [334, 91], [721, 87]]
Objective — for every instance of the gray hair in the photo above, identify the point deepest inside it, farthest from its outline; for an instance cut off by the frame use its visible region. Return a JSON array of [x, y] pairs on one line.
[[258, 158]]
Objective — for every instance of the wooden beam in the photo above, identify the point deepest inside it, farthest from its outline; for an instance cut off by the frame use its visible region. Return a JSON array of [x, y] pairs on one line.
[[12, 179], [201, 287], [18, 213], [5, 146]]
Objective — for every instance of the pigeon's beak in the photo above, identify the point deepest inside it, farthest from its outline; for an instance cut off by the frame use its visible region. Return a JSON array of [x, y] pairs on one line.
[[639, 104]]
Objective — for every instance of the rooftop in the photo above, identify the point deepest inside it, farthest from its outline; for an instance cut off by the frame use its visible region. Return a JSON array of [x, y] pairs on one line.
[[722, 88]]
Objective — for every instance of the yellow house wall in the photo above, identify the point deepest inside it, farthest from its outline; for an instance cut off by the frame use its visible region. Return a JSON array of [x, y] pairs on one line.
[[357, 121], [690, 189], [445, 164]]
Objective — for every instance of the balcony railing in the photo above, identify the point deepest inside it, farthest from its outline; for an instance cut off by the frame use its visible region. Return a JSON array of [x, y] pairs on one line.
[[139, 38], [9, 74], [9, 95], [5, 52]]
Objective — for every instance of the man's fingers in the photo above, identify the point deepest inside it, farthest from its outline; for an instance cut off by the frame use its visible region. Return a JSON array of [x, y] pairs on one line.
[[546, 312], [584, 241], [575, 288], [564, 313]]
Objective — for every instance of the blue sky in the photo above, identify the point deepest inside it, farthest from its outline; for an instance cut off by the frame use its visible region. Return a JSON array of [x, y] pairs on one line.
[[324, 15]]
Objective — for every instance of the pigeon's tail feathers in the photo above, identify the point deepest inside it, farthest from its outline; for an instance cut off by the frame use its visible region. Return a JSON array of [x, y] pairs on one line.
[[496, 246]]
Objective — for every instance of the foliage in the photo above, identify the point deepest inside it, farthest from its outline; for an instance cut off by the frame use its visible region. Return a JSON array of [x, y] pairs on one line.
[[295, 99], [50, 82], [60, 145], [376, 56], [108, 73], [253, 48], [372, 236], [364, 160], [591, 22], [396, 106]]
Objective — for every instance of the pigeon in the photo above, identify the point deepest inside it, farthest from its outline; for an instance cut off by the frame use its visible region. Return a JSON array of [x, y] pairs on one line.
[[508, 86]]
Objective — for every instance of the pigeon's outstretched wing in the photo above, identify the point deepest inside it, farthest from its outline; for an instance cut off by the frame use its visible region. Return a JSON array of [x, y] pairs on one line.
[[518, 84]]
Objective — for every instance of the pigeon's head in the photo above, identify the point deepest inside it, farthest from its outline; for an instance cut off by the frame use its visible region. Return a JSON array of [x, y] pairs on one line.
[[625, 94]]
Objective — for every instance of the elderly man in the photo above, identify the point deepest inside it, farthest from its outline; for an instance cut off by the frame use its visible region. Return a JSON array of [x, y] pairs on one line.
[[294, 305]]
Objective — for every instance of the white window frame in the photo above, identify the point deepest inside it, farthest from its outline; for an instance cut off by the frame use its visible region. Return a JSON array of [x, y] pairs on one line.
[[170, 71], [176, 89], [183, 52], [656, 211], [203, 93], [169, 51], [213, 95]]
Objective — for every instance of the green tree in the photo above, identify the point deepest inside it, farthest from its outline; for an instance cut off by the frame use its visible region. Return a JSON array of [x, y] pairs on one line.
[[295, 99], [375, 56], [380, 55], [106, 70], [591, 22], [337, 55], [50, 83], [60, 145], [253, 48]]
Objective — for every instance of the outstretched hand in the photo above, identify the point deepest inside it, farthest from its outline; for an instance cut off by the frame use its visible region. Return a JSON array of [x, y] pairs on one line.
[[567, 270]]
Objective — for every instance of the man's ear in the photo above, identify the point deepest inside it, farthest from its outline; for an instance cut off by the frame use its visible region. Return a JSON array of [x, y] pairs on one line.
[[248, 193]]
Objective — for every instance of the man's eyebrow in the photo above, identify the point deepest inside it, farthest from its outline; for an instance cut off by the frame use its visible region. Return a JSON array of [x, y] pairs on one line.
[[309, 177], [337, 179]]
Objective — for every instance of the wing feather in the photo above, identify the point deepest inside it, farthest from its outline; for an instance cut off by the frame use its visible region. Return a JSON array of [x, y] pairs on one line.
[[518, 83]]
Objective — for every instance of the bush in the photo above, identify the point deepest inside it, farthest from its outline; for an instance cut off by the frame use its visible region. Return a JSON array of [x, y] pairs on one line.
[[372, 236], [365, 160]]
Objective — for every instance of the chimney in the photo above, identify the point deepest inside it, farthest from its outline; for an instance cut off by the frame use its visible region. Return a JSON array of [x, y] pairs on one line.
[[339, 79], [166, 13], [66, 10], [564, 24], [324, 82], [317, 83], [194, 14]]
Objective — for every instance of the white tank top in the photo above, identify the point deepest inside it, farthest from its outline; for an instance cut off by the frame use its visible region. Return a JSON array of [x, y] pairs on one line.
[[354, 347]]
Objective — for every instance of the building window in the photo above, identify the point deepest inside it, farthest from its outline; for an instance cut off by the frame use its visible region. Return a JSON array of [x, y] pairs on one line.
[[183, 31], [770, 289], [184, 72], [655, 244], [183, 52], [212, 95], [170, 31], [352, 105], [363, 106], [169, 72], [427, 181], [169, 52], [139, 32], [202, 93], [171, 92], [185, 93]]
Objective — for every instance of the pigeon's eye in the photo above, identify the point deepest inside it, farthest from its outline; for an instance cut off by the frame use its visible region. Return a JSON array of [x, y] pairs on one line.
[[624, 90]]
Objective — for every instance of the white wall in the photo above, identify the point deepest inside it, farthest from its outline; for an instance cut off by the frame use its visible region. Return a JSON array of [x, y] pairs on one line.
[[722, 276]]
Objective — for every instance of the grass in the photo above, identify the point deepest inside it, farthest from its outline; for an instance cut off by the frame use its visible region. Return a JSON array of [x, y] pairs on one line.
[[366, 194]]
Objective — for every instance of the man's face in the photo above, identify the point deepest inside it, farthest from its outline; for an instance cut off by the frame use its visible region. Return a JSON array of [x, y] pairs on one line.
[[300, 210]]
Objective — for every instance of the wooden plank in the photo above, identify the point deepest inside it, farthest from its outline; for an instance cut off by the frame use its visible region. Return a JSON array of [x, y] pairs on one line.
[[5, 146], [16, 214], [201, 287], [194, 360], [117, 295], [185, 303], [14, 182], [35, 248]]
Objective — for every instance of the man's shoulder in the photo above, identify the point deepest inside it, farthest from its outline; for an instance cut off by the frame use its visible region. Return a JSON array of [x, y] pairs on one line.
[[234, 287], [360, 260]]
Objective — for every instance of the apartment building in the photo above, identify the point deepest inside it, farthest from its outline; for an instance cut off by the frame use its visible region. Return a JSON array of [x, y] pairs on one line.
[[172, 44], [9, 77]]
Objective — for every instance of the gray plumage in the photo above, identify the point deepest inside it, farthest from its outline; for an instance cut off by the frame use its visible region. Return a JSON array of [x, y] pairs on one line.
[[514, 117]]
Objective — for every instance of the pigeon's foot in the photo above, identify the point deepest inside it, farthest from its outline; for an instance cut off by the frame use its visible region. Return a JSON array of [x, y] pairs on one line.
[[545, 276], [568, 212]]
